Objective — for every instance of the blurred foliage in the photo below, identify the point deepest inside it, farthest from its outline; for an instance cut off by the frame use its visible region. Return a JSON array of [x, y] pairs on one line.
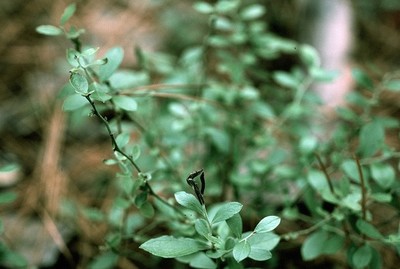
[[214, 99]]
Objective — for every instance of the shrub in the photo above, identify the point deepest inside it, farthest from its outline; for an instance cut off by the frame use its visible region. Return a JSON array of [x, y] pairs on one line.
[[253, 129]]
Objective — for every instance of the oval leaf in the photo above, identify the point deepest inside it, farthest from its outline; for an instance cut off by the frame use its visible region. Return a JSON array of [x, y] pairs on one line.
[[267, 224], [74, 102], [171, 247], [49, 30], [189, 201], [362, 256], [80, 83], [227, 211], [313, 246], [241, 250], [68, 12], [114, 58], [125, 102], [372, 137]]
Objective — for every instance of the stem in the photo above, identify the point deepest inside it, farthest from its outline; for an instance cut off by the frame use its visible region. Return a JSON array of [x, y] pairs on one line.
[[325, 171], [363, 189], [129, 158]]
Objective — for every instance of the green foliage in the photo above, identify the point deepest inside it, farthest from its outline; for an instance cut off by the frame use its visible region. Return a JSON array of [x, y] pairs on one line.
[[252, 129]]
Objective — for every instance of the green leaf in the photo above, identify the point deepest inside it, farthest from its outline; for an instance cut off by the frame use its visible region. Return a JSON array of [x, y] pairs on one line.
[[241, 250], [252, 12], [372, 137], [7, 197], [122, 139], [189, 201], [49, 30], [362, 256], [318, 181], [114, 59], [393, 85], [362, 79], [219, 138], [74, 102], [309, 56], [203, 7], [93, 214], [285, 79], [334, 243], [125, 102], [352, 201], [368, 229], [236, 225], [72, 57], [80, 83], [350, 168], [259, 254], [227, 211], [267, 224], [171, 247], [106, 260], [198, 260], [68, 13], [266, 241], [383, 174], [125, 79], [226, 6], [202, 227], [313, 245], [147, 210], [11, 259]]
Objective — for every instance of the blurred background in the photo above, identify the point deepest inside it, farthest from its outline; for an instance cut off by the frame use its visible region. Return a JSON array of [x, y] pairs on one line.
[[43, 158]]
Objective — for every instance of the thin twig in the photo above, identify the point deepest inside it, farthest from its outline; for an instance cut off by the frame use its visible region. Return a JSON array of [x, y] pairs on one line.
[[325, 171], [116, 148], [363, 189]]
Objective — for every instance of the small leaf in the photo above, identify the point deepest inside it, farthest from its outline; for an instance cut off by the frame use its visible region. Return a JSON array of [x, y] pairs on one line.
[[383, 174], [203, 7], [318, 181], [393, 85], [124, 79], [114, 59], [7, 197], [309, 56], [219, 138], [368, 229], [79, 82], [68, 13], [362, 256], [201, 260], [74, 102], [226, 211], [267, 224], [313, 245], [189, 201], [122, 139], [49, 30], [266, 241], [286, 79], [147, 210], [241, 250], [362, 79], [125, 102], [236, 225], [260, 254], [106, 260], [252, 12], [202, 228], [171, 247], [372, 137]]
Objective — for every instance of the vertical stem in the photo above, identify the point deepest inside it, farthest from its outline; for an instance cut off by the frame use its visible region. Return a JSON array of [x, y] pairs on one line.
[[325, 171], [363, 189]]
